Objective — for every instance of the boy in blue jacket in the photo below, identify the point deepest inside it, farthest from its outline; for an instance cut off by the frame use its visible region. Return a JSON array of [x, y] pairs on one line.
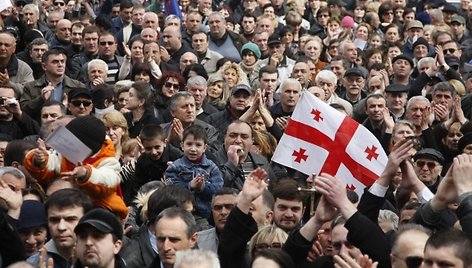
[[195, 171]]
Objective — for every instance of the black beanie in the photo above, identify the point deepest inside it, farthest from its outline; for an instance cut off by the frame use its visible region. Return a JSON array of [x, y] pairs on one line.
[[421, 41], [89, 130], [464, 141]]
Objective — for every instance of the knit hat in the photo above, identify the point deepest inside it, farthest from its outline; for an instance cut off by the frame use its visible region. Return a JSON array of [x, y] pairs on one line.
[[32, 214], [30, 35], [253, 48], [348, 22], [464, 141], [420, 41], [89, 130], [423, 17], [102, 220]]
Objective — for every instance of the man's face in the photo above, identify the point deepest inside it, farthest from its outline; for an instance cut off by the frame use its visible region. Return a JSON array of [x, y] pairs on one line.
[[354, 84], [154, 50], [33, 239], [415, 32], [416, 111], [194, 22], [148, 34], [288, 213], [444, 98], [91, 42], [452, 49], [350, 52], [185, 110], [427, 170], [396, 100], [55, 65], [3, 146], [221, 207], [409, 245], [7, 46], [187, 59], [240, 101], [337, 67], [50, 113], [200, 42], [171, 235], [401, 67], [268, 82], [340, 243], [249, 24], [375, 108], [64, 30], [458, 29], [204, 6], [80, 106], [150, 21], [126, 15], [441, 257], [261, 41], [265, 25], [199, 93], [37, 52], [30, 17], [217, 26], [241, 135], [154, 148], [171, 39], [301, 72], [107, 46], [96, 249], [260, 213], [77, 35], [138, 16], [420, 51], [327, 86], [289, 96], [96, 71], [61, 224]]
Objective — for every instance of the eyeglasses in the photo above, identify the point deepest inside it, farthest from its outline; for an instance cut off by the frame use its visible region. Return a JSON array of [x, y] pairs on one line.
[[266, 246], [226, 206], [104, 43], [449, 50], [59, 4], [77, 103], [411, 261], [171, 85], [421, 164]]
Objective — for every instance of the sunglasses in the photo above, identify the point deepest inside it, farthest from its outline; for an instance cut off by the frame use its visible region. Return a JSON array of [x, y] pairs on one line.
[[171, 85], [450, 50], [110, 43], [47, 115], [59, 4], [77, 103], [421, 164], [413, 261], [226, 206]]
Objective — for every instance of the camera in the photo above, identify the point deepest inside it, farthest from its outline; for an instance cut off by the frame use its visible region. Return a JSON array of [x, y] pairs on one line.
[[8, 101]]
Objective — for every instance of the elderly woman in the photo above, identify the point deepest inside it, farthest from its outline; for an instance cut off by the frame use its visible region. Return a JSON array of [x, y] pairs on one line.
[[312, 49], [116, 129]]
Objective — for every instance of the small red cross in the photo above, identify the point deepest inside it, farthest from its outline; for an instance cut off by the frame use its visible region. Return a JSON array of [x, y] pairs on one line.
[[300, 155], [317, 115], [351, 187], [371, 153]]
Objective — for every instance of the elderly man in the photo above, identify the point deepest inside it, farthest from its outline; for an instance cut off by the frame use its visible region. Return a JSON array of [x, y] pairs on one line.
[[396, 96], [327, 80], [225, 42], [353, 82], [151, 20], [36, 50], [62, 36], [172, 41], [13, 72], [418, 110], [188, 58], [182, 108], [428, 167], [206, 56], [197, 86], [54, 85], [149, 35], [31, 20], [97, 71]]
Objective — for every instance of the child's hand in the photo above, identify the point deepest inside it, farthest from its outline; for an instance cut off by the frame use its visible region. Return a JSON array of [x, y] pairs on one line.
[[78, 173], [198, 182]]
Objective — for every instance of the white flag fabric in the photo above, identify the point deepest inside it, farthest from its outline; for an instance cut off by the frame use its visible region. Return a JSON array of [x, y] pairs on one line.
[[320, 139]]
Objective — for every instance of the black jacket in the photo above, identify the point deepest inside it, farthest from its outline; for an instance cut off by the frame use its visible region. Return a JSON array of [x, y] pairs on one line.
[[138, 252]]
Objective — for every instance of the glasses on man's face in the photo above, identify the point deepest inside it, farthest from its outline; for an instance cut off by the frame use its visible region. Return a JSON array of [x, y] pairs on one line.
[[421, 164], [171, 85], [411, 261], [59, 4], [449, 50], [104, 43], [77, 103], [220, 207]]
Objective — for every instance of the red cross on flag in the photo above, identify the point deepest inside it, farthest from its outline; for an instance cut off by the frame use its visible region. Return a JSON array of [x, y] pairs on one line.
[[320, 139]]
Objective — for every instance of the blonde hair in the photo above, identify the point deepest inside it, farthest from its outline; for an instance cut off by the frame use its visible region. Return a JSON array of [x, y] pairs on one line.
[[130, 146], [458, 86], [115, 118], [268, 233]]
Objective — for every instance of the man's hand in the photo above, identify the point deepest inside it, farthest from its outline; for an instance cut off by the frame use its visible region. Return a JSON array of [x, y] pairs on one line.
[[343, 260], [282, 122], [254, 185], [98, 81], [234, 152], [461, 170], [13, 198], [165, 56], [401, 151], [389, 123], [46, 92], [4, 77], [334, 190], [127, 50], [440, 112], [324, 211], [12, 105], [79, 172], [446, 192], [176, 130]]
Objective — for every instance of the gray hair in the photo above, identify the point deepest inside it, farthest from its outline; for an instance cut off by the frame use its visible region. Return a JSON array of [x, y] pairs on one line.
[[177, 96], [326, 75], [197, 257], [217, 13], [98, 62], [389, 216], [424, 61], [185, 216], [197, 80], [12, 171], [39, 42], [291, 81], [31, 6], [416, 98]]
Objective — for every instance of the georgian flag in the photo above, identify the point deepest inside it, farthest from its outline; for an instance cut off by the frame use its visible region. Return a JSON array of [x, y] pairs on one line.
[[320, 139]]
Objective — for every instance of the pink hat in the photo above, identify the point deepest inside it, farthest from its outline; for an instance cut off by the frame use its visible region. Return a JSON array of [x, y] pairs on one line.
[[348, 22]]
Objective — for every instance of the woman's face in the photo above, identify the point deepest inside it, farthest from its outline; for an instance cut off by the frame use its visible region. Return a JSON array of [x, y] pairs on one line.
[[402, 132], [359, 13], [393, 52], [387, 17], [392, 35], [115, 133], [142, 77], [287, 38], [231, 77], [134, 101], [312, 50], [215, 90], [333, 26], [375, 58], [137, 50], [362, 33], [170, 87], [123, 99], [257, 124], [270, 11], [375, 42]]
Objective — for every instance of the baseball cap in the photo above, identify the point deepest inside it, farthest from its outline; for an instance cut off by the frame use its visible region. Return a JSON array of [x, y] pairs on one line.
[[240, 87], [458, 19], [102, 220], [449, 8], [75, 92], [274, 39]]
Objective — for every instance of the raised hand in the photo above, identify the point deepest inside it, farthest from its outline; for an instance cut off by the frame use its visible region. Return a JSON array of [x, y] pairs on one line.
[[254, 185], [343, 260], [12, 197], [462, 168], [47, 91], [234, 152], [334, 190]]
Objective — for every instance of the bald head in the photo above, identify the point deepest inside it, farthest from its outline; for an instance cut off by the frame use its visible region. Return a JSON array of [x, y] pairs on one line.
[[64, 30], [151, 20], [149, 34]]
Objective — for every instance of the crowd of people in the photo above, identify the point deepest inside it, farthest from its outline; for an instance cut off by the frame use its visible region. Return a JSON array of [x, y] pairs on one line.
[[182, 112]]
